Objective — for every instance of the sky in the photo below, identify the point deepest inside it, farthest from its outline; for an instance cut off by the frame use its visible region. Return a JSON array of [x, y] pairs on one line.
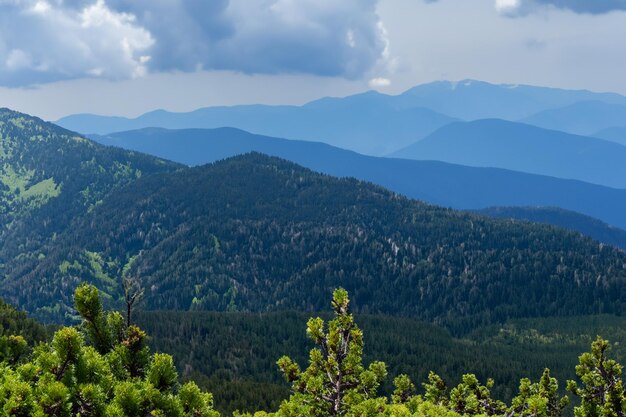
[[127, 57]]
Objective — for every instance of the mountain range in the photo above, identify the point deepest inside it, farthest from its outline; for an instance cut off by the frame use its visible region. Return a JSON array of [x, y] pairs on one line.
[[435, 182], [370, 123], [615, 134], [230, 232], [525, 148], [255, 233], [582, 118], [252, 232]]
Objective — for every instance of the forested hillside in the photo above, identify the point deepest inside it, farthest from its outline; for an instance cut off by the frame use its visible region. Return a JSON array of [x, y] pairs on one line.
[[254, 233], [49, 176]]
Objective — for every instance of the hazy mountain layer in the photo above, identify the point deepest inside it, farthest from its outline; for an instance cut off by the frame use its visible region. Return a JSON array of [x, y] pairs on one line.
[[584, 118], [520, 147], [470, 99], [370, 123], [615, 134]]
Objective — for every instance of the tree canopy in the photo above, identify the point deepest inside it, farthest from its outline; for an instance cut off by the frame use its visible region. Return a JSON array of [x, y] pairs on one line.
[[103, 367]]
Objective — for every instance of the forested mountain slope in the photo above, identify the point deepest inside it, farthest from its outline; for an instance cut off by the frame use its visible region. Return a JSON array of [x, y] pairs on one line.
[[440, 183], [256, 233], [48, 177]]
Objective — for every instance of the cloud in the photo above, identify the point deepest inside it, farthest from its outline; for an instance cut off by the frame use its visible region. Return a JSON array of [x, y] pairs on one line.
[[379, 82], [515, 8], [40, 42], [117, 39]]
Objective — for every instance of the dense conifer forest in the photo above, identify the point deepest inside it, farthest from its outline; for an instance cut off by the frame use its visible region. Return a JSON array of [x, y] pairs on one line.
[[255, 233], [233, 355]]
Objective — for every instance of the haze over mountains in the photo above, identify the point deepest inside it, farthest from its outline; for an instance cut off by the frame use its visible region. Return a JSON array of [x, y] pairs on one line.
[[370, 123], [423, 123], [520, 147], [615, 134], [583, 118], [158, 221]]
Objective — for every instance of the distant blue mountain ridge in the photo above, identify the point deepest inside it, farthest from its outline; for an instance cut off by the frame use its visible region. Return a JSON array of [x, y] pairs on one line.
[[521, 147], [583, 118], [371, 123], [614, 134], [367, 123], [440, 183]]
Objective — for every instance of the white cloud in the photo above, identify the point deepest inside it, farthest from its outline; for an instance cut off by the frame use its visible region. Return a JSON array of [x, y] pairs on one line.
[[322, 37], [117, 39], [66, 43], [507, 6], [379, 82]]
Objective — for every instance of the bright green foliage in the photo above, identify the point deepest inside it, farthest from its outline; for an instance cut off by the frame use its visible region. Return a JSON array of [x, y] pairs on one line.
[[113, 376], [602, 393], [472, 398], [336, 382], [11, 348], [78, 374], [162, 373], [539, 399], [405, 389], [435, 389]]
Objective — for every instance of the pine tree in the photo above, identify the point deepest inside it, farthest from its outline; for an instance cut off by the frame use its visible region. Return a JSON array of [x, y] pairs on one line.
[[335, 381], [602, 393]]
